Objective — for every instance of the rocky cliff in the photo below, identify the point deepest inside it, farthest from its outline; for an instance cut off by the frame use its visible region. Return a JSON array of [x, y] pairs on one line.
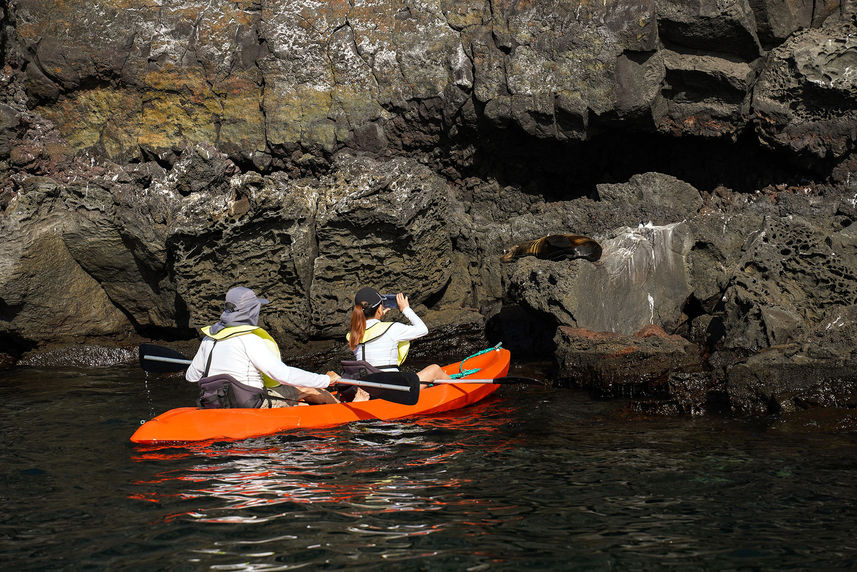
[[154, 154]]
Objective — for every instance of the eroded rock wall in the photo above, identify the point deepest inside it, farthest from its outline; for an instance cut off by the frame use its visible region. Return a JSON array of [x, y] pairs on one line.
[[154, 154], [267, 82]]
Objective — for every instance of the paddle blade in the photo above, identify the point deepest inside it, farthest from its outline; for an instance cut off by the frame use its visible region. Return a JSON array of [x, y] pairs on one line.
[[158, 359], [409, 380]]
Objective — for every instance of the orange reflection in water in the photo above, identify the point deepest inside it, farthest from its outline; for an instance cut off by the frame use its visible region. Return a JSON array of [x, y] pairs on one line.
[[360, 469]]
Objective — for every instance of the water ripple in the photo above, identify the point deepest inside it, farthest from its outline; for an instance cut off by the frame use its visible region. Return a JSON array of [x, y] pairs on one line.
[[527, 480]]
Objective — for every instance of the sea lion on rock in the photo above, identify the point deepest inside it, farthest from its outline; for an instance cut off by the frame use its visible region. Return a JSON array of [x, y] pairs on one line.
[[555, 247]]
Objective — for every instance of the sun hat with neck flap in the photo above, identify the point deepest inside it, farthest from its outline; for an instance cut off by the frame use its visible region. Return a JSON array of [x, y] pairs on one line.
[[241, 309]]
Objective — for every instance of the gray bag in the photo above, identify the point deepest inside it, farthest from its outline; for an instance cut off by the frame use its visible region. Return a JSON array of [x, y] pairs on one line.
[[223, 391]]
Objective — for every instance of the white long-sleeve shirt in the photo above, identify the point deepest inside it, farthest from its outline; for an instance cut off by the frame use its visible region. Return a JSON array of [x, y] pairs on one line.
[[384, 350], [246, 358]]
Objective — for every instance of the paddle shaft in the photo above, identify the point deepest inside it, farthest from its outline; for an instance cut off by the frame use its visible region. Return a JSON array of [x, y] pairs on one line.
[[497, 381], [374, 384], [460, 381], [168, 359], [343, 381]]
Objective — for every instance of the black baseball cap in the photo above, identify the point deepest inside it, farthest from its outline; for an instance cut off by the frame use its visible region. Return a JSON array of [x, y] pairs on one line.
[[369, 296]]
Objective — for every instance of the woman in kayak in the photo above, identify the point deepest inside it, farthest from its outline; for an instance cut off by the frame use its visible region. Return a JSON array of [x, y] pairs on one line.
[[385, 345], [237, 347]]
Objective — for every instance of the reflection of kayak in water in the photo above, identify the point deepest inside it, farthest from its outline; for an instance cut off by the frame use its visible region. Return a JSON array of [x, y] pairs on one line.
[[186, 424]]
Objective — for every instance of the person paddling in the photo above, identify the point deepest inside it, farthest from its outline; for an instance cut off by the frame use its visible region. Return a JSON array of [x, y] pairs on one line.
[[385, 345], [236, 347]]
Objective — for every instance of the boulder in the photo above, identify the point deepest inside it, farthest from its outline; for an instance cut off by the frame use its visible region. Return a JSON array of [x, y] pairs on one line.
[[621, 365], [44, 293], [641, 279], [789, 378], [385, 227], [720, 27], [785, 381], [805, 98], [9, 122], [776, 20], [648, 198]]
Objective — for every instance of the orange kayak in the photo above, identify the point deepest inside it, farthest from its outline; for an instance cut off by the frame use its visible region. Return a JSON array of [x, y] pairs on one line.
[[186, 424]]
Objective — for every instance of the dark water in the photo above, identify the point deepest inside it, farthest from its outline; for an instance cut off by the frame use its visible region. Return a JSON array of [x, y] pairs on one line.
[[539, 479]]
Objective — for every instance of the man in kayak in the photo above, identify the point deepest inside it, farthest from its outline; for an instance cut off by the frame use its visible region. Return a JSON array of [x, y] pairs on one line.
[[237, 347], [385, 345]]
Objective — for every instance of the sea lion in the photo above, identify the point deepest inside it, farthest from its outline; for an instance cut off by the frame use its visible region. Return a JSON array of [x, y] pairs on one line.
[[555, 247]]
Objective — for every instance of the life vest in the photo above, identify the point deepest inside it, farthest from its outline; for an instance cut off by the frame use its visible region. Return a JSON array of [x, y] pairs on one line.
[[376, 331], [232, 331]]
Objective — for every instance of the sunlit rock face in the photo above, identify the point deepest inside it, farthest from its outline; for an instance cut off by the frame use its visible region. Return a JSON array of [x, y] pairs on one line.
[[641, 279], [264, 79], [154, 154]]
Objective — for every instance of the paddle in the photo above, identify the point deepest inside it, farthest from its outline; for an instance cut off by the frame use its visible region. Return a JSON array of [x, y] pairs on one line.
[[394, 386], [158, 359], [403, 379], [507, 380], [394, 380]]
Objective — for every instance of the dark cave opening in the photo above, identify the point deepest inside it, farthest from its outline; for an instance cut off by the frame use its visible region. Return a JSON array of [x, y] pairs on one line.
[[567, 170], [12, 346], [527, 333]]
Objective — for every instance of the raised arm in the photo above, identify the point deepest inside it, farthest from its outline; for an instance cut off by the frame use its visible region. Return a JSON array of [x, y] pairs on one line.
[[402, 332]]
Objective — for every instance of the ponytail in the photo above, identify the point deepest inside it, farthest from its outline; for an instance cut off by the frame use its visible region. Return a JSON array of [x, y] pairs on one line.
[[358, 324]]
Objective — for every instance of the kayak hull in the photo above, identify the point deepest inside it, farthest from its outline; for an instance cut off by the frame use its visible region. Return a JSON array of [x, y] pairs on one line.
[[188, 424]]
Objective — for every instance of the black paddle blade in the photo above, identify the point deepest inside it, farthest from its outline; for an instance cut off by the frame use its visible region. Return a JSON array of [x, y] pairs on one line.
[[409, 380], [152, 359]]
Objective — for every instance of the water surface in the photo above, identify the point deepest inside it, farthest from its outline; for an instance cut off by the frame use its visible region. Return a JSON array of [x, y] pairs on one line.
[[537, 479]]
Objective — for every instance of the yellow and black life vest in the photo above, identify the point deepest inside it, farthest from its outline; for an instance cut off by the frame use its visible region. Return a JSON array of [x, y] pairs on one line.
[[232, 331], [376, 331]]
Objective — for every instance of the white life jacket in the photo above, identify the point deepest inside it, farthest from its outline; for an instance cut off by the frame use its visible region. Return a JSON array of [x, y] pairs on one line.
[[376, 331]]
